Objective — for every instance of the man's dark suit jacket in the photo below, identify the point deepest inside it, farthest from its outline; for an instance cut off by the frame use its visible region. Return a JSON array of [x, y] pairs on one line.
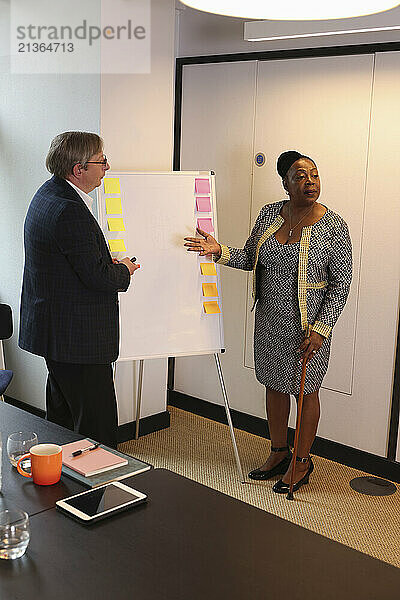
[[69, 302]]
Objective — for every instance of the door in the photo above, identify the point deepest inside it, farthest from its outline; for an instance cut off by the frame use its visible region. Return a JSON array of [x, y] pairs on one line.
[[321, 107]]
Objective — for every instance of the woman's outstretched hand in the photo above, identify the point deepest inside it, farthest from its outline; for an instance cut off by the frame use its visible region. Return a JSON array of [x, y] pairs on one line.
[[208, 245]]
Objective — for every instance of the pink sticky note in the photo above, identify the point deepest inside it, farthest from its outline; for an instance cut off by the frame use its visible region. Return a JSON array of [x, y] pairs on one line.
[[203, 204], [202, 186], [205, 225]]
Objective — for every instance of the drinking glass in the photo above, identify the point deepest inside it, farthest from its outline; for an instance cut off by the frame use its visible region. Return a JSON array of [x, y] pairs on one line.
[[14, 533], [19, 444]]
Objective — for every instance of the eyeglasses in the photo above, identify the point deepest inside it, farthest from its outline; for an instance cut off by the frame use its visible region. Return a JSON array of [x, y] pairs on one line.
[[97, 162]]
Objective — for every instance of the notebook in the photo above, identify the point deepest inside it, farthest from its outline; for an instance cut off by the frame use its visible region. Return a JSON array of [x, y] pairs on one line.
[[134, 467], [91, 462]]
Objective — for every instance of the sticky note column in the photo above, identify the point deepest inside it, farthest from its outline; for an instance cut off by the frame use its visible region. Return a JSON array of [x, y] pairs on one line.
[[114, 207], [202, 190], [205, 222]]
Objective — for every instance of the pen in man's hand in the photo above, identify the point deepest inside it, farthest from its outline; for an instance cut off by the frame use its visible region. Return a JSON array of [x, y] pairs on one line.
[[133, 260], [88, 449]]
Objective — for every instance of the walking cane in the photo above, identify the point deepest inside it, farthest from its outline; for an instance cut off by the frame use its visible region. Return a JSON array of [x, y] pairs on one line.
[[298, 421]]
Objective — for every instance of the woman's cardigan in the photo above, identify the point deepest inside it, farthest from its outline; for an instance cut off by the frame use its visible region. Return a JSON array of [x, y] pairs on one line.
[[325, 264]]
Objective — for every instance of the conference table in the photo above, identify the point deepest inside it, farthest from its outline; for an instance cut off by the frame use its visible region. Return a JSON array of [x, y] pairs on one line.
[[186, 542]]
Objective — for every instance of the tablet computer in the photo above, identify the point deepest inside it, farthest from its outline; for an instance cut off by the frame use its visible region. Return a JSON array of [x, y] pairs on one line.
[[101, 502]]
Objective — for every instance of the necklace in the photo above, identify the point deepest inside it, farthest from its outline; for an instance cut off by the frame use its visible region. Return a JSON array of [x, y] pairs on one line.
[[298, 222]]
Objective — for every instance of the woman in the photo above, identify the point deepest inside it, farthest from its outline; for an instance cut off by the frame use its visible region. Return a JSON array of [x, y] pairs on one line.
[[300, 254]]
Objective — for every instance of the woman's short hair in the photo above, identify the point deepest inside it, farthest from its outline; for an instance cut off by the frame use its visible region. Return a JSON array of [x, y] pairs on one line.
[[69, 148]]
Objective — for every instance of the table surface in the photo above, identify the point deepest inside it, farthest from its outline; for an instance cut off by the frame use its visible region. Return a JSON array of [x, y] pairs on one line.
[[186, 541], [189, 541], [19, 491]]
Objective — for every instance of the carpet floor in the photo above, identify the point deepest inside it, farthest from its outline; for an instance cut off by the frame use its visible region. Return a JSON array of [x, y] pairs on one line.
[[201, 449]]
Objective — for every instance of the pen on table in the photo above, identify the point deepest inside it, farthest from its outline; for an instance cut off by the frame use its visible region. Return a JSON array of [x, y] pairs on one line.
[[87, 449]]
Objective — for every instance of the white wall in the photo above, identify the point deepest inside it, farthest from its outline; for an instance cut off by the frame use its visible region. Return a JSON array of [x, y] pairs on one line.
[[134, 114], [204, 33], [33, 109], [137, 110], [137, 127]]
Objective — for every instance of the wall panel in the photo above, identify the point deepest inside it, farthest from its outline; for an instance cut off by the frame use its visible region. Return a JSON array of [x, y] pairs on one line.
[[217, 134]]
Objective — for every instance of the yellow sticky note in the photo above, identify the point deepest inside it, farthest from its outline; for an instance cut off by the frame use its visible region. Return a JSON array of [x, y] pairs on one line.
[[116, 224], [211, 308], [208, 269], [209, 289], [113, 206], [117, 245], [111, 185]]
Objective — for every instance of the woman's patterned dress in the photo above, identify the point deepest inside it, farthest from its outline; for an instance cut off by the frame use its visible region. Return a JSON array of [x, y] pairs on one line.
[[300, 284]]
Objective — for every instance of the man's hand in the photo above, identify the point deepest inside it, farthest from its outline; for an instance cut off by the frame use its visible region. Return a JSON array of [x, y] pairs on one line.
[[130, 265]]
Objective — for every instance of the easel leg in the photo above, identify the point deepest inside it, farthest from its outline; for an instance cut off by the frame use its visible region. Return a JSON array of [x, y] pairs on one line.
[[229, 418], [139, 398]]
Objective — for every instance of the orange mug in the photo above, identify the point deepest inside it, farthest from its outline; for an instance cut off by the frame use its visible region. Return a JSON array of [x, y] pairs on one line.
[[46, 463]]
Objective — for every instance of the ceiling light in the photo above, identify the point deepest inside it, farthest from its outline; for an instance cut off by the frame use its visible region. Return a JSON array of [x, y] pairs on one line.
[[292, 10]]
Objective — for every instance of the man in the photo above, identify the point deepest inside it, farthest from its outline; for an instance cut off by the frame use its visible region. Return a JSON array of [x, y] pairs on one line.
[[69, 302]]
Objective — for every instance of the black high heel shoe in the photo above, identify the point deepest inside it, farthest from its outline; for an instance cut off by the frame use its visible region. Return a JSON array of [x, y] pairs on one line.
[[283, 488], [279, 469]]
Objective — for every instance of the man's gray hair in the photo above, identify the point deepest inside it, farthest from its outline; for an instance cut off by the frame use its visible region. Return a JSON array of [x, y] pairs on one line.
[[69, 148]]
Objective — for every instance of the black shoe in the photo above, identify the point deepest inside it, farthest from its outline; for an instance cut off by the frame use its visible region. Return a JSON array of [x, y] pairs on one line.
[[279, 469], [283, 488]]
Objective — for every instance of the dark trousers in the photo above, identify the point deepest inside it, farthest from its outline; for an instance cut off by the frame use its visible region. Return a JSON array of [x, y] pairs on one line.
[[82, 398]]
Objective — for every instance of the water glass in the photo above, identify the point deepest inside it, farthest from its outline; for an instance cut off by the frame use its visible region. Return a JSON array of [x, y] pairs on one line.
[[19, 444], [14, 533]]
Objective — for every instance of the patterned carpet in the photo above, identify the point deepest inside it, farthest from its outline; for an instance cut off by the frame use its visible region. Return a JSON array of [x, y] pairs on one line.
[[201, 449]]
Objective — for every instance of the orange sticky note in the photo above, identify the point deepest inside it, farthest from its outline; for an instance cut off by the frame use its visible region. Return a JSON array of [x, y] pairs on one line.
[[210, 289], [211, 308], [115, 224], [208, 269], [111, 185], [117, 245]]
